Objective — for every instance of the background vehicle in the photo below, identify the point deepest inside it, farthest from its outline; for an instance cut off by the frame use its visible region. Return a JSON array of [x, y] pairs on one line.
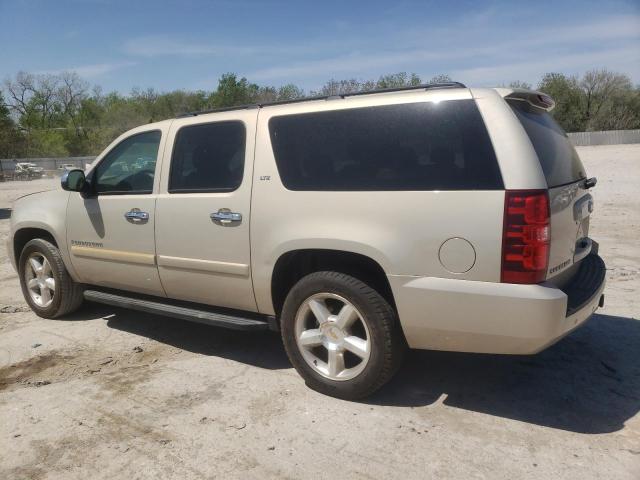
[[437, 217], [27, 171]]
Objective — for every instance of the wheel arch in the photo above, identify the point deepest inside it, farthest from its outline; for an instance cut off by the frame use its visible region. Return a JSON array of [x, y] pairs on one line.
[[24, 235], [292, 265]]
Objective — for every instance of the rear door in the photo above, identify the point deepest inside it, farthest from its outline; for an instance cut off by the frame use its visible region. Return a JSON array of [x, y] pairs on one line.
[[570, 202], [203, 210]]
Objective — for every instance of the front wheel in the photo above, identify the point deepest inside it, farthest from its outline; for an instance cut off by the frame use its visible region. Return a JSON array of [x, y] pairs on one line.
[[46, 285], [341, 335]]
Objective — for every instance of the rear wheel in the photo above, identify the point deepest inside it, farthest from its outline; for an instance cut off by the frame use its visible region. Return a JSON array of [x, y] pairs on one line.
[[342, 336], [46, 285]]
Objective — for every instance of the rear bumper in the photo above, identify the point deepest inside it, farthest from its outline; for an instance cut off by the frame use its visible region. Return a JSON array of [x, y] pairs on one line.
[[485, 317]]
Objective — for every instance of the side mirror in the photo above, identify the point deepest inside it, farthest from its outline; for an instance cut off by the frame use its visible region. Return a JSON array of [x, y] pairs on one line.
[[74, 181], [590, 183]]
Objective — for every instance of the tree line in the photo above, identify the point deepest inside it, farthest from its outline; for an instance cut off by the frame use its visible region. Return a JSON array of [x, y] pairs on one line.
[[56, 115]]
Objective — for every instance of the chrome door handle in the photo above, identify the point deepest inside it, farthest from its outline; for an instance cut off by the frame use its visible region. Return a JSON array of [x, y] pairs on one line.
[[135, 215], [224, 216]]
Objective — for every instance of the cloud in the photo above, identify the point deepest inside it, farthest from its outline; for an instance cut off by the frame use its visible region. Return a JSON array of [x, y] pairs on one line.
[[161, 45], [505, 31], [99, 69], [91, 71], [487, 51], [608, 28], [490, 46], [621, 59], [157, 45], [352, 63]]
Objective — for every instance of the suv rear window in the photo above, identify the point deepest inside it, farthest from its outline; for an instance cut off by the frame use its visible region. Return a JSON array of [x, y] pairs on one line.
[[414, 146], [559, 160]]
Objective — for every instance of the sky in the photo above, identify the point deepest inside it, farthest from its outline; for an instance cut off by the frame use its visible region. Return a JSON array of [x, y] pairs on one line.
[[188, 44]]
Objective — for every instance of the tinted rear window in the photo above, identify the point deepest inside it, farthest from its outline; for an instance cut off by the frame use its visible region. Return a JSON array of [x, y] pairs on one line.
[[416, 146], [208, 158], [559, 160]]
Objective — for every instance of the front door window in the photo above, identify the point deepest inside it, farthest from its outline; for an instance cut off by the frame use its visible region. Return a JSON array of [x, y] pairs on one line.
[[130, 167]]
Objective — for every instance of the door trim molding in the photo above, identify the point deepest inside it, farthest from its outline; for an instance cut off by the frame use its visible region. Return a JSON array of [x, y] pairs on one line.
[[209, 266], [113, 255]]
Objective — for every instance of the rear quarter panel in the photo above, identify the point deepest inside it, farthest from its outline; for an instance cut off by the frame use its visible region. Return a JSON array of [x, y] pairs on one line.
[[401, 231], [516, 156], [521, 170]]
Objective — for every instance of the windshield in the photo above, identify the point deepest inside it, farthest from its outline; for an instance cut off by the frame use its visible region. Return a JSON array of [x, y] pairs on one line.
[[558, 159]]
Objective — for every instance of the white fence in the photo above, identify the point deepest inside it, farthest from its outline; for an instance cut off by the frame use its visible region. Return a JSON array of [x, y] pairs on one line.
[[49, 164], [611, 137]]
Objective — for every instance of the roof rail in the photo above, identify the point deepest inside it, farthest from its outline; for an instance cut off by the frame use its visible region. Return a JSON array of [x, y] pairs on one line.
[[427, 86]]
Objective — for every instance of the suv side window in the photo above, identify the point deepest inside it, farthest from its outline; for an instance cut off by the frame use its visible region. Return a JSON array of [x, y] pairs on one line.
[[208, 158], [413, 146], [130, 166]]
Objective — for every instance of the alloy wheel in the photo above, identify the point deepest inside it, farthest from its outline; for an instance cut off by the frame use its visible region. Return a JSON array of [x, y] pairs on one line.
[[39, 279], [332, 336]]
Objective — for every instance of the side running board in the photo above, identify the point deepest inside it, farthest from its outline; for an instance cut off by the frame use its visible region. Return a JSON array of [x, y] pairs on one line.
[[208, 317]]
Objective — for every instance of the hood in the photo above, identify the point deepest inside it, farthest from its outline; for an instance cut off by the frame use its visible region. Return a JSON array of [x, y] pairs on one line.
[[39, 192]]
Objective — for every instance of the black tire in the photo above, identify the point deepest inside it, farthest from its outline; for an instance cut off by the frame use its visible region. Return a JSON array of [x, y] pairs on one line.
[[68, 294], [387, 341]]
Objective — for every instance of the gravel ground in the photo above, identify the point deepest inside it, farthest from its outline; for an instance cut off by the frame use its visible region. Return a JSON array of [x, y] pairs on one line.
[[109, 393]]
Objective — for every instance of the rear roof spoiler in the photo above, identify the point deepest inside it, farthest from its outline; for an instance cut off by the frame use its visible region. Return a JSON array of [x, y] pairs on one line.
[[532, 97]]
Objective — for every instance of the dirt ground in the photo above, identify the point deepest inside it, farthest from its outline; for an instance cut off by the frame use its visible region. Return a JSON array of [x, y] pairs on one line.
[[109, 393]]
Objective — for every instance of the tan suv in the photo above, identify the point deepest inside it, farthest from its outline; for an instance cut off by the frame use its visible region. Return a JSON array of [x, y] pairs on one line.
[[435, 217]]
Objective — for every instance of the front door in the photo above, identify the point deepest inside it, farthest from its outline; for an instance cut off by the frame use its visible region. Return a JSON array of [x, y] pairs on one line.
[[111, 231], [202, 224]]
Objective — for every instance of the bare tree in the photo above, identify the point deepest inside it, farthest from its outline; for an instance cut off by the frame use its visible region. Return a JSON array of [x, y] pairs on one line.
[[397, 80], [353, 85], [266, 94], [20, 92], [600, 88], [290, 92], [36, 98], [520, 84], [45, 98], [72, 91], [338, 87], [441, 78]]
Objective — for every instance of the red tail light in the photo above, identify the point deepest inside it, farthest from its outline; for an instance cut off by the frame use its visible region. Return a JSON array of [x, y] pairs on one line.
[[526, 236]]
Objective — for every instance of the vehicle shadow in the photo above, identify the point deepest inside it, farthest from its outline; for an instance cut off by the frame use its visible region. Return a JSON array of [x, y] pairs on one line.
[[260, 349], [587, 383], [5, 213]]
